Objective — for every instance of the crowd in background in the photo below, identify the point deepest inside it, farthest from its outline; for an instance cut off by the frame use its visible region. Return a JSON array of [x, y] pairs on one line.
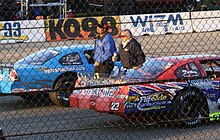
[[51, 12], [13, 9]]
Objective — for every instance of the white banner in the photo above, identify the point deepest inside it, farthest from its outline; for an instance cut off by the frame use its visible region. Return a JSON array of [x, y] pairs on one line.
[[145, 24], [206, 21], [154, 24], [22, 31]]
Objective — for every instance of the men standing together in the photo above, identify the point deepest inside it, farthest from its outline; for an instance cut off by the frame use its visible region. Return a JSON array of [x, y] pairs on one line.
[[130, 52]]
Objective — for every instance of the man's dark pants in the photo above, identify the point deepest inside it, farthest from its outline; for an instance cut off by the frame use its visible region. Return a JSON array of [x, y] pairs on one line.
[[104, 70]]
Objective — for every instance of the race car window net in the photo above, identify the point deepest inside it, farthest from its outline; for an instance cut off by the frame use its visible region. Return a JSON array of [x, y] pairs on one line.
[[89, 54], [211, 67], [190, 70]]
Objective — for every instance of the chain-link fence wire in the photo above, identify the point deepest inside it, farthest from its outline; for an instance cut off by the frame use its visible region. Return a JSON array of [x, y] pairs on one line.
[[51, 9], [132, 106]]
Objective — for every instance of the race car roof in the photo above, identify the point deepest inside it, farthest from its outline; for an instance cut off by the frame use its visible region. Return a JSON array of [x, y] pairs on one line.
[[188, 57], [72, 47]]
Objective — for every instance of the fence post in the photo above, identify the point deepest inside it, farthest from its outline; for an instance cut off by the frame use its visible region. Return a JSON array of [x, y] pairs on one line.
[[1, 135]]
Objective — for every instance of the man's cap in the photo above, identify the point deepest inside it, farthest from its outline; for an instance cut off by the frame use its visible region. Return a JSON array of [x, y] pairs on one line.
[[103, 26]]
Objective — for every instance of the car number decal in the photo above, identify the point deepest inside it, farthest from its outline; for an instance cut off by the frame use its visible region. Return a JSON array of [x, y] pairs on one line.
[[115, 106]]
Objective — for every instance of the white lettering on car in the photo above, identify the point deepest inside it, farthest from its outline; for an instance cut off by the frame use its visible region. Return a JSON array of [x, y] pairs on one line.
[[64, 69], [115, 106]]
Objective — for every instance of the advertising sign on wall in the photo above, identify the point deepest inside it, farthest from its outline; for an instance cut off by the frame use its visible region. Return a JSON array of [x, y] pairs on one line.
[[205, 21], [22, 31], [85, 28], [79, 28], [152, 24]]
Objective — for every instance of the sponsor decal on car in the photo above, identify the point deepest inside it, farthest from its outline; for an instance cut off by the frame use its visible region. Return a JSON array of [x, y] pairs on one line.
[[101, 92], [214, 116], [150, 108], [155, 101], [115, 106], [130, 106], [190, 72], [17, 90], [158, 97], [62, 69], [202, 83], [133, 98]]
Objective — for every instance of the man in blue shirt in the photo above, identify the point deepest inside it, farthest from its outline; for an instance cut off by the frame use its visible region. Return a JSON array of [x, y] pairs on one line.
[[104, 50]]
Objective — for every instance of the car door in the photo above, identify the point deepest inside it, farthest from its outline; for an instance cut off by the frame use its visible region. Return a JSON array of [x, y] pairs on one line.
[[194, 73], [212, 69]]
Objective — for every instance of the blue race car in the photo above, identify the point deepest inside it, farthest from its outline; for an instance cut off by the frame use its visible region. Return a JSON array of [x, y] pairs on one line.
[[48, 69]]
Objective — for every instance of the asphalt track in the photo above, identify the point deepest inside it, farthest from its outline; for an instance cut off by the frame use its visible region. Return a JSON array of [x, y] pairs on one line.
[[158, 45], [37, 120], [24, 120]]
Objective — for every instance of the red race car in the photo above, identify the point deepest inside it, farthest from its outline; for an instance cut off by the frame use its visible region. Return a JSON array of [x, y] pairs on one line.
[[185, 87]]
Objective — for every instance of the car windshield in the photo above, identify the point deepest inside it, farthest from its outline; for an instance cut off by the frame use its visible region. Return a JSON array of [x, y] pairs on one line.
[[39, 57], [150, 68]]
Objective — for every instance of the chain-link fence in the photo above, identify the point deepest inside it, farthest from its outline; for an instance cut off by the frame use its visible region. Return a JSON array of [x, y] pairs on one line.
[[109, 69]]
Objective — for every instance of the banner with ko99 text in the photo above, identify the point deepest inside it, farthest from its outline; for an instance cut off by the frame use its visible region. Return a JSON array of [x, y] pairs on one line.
[[79, 28]]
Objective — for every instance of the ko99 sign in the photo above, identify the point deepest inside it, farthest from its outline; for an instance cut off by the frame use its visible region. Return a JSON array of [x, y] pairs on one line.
[[79, 28]]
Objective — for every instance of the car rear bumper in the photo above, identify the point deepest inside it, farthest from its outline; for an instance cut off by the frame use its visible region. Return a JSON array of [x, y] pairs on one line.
[[100, 104]]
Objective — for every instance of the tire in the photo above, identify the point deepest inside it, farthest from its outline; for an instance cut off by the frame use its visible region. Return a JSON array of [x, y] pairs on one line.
[[189, 109], [61, 97]]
